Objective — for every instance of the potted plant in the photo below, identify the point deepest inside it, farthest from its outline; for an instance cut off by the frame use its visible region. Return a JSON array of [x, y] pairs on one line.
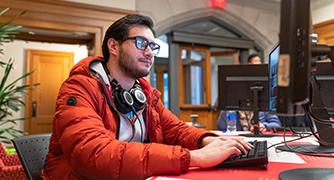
[[11, 94], [11, 100]]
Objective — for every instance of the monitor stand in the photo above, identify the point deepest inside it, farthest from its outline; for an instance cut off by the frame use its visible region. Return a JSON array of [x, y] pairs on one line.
[[325, 129], [306, 148], [307, 174], [255, 119]]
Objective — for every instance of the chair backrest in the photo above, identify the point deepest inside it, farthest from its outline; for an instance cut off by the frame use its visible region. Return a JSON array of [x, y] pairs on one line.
[[32, 151]]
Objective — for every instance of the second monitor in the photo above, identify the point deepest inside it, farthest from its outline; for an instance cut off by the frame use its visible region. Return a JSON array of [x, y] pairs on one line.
[[236, 85], [324, 75]]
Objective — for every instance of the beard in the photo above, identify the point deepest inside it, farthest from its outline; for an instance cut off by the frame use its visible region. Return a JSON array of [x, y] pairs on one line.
[[129, 66]]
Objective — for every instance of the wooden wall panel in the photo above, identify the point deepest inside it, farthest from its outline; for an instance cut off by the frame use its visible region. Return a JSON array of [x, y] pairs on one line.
[[325, 32], [65, 16]]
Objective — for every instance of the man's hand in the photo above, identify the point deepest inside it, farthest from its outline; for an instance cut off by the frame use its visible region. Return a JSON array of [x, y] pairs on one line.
[[262, 128], [216, 150], [209, 139]]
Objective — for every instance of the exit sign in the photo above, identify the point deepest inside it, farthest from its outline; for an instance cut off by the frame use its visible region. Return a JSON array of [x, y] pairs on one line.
[[218, 3]]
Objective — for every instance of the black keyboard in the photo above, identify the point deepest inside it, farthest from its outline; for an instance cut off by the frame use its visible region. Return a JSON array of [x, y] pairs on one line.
[[256, 157]]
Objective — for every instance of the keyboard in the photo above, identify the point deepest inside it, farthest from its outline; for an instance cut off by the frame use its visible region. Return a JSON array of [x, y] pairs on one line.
[[256, 157]]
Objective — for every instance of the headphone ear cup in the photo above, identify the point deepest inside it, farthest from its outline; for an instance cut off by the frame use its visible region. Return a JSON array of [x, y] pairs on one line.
[[139, 98], [122, 100]]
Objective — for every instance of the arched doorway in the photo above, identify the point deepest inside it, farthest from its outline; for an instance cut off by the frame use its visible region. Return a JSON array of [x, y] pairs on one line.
[[192, 87]]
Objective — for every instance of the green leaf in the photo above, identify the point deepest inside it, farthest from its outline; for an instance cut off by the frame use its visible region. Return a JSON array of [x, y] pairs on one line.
[[18, 79], [2, 12], [6, 74], [6, 140], [11, 29]]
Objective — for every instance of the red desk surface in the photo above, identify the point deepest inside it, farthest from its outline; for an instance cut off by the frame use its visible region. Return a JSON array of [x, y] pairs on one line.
[[247, 173], [271, 173]]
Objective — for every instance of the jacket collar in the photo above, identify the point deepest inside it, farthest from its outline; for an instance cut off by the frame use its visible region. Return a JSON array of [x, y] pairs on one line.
[[94, 63]]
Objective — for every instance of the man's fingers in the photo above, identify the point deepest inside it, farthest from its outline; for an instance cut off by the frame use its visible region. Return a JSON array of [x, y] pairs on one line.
[[240, 140], [241, 146], [245, 144], [233, 150]]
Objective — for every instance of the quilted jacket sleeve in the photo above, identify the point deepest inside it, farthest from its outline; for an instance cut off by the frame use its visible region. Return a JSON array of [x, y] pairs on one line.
[[177, 132], [95, 153]]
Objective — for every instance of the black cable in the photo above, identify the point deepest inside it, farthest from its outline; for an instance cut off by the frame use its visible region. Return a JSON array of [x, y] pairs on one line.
[[299, 133], [323, 121], [289, 141], [284, 135], [141, 126], [323, 154], [314, 153], [308, 113], [133, 127]]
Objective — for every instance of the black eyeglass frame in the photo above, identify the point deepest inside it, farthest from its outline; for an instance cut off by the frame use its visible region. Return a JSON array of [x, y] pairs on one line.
[[155, 48]]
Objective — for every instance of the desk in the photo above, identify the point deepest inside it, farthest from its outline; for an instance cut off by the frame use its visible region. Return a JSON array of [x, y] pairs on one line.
[[271, 173]]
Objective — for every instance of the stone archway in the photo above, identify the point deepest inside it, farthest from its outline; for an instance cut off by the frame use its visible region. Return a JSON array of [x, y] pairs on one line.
[[236, 23]]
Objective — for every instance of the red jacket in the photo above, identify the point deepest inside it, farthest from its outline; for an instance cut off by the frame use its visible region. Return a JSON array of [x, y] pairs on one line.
[[84, 141]]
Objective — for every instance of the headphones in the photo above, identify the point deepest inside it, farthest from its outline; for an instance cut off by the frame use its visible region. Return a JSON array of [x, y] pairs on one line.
[[126, 101]]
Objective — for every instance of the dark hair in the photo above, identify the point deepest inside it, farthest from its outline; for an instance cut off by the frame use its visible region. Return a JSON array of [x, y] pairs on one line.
[[119, 30], [250, 57]]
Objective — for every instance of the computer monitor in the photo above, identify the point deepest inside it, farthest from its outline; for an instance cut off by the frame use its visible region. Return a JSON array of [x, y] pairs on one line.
[[235, 83], [244, 87], [295, 54], [295, 84], [324, 75]]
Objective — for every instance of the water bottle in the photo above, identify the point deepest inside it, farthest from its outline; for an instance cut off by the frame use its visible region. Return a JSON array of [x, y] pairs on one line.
[[231, 118]]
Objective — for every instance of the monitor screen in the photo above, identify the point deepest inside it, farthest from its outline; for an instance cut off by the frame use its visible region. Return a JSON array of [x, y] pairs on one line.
[[234, 86], [273, 77]]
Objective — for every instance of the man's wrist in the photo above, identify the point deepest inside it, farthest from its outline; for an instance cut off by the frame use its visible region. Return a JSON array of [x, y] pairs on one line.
[[194, 158], [201, 143], [207, 140]]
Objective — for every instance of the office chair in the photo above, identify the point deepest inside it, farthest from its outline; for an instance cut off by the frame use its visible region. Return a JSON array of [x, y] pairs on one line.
[[32, 151]]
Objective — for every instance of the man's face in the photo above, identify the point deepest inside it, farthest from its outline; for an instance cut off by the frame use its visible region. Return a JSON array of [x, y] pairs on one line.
[[256, 60], [135, 62]]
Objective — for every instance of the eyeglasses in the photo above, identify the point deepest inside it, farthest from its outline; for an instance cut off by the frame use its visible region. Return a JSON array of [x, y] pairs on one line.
[[142, 43]]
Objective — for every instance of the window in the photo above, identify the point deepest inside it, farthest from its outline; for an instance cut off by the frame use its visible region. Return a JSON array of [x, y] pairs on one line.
[[194, 80]]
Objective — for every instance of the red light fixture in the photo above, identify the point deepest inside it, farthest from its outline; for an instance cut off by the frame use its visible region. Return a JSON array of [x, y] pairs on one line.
[[220, 4]]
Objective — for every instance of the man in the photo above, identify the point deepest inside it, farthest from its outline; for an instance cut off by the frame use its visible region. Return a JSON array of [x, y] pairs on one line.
[[254, 59], [111, 124]]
